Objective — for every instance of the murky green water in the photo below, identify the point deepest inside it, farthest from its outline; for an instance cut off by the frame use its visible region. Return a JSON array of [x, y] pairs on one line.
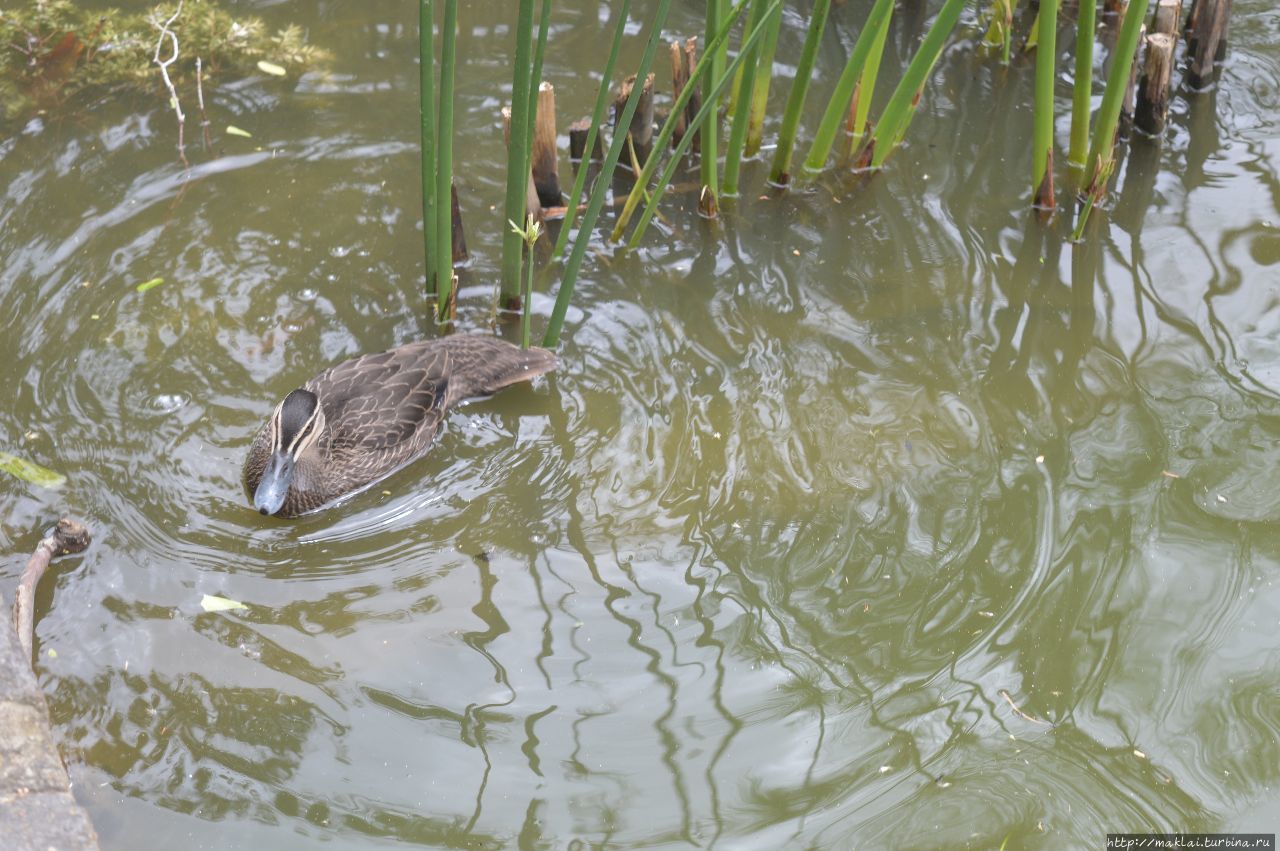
[[868, 517]]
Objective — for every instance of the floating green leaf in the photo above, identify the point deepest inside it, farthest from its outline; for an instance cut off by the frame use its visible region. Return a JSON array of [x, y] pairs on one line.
[[212, 603], [149, 285], [233, 130], [271, 68], [29, 472]]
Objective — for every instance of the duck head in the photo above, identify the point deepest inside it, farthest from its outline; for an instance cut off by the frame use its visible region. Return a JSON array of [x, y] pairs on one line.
[[295, 426]]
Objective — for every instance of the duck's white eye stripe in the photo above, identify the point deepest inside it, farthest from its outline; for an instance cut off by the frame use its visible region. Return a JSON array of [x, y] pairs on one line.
[[303, 437], [275, 431]]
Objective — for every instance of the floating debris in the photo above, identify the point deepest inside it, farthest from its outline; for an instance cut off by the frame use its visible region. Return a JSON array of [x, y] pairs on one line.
[[233, 130], [271, 68], [212, 603], [31, 472], [149, 285]]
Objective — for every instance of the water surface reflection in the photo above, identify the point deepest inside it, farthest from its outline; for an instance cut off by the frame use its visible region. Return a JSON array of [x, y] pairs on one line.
[[873, 515]]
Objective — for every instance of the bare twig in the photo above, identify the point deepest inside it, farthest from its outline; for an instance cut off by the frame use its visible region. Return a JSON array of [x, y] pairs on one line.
[[1024, 716], [204, 116], [66, 538], [164, 72]]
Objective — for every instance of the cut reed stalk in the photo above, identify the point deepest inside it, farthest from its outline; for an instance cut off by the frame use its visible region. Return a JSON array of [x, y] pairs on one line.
[[445, 301], [695, 99], [592, 141], [679, 79], [780, 171], [1153, 89], [1082, 91], [902, 103], [706, 113], [1042, 129], [1166, 17], [545, 160], [873, 32], [1210, 39], [596, 201], [532, 202], [579, 133], [665, 134], [641, 128]]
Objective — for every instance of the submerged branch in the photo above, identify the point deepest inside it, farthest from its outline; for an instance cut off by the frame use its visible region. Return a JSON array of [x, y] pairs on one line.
[[66, 538]]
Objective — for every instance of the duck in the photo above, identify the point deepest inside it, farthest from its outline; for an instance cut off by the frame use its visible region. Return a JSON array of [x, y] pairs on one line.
[[363, 419]]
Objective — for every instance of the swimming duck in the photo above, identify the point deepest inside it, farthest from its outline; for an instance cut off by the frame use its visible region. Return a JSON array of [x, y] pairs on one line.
[[367, 417]]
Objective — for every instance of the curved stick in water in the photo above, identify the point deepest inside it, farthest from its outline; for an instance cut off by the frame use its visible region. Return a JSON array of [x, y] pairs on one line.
[[66, 538]]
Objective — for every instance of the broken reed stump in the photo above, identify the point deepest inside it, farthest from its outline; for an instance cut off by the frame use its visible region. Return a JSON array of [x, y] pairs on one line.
[[1207, 38], [1153, 93], [641, 129], [532, 204], [544, 163], [66, 538], [679, 79], [694, 106], [1167, 15], [1130, 89], [578, 132], [683, 58]]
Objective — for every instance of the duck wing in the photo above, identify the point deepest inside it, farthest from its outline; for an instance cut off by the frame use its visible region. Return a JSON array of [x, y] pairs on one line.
[[384, 402], [481, 365]]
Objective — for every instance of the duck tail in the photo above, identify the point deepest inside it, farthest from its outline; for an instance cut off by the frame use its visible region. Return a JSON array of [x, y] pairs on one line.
[[483, 365]]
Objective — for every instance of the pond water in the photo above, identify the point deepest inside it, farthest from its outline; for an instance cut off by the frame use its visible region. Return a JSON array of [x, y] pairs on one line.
[[875, 515]]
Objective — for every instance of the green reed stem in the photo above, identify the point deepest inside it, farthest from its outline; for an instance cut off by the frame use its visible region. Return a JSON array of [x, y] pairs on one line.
[[707, 163], [867, 86], [1104, 134], [902, 103], [444, 164], [597, 116], [872, 32], [699, 72], [596, 201], [780, 172], [735, 92], [1000, 32], [529, 235], [517, 154], [744, 79], [705, 113], [760, 92], [535, 77], [1042, 121], [1082, 89], [427, 82]]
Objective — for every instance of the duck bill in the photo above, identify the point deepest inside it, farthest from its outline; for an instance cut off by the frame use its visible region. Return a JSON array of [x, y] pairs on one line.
[[274, 486]]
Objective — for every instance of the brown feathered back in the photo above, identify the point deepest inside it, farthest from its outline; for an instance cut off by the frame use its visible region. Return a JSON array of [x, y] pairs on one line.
[[382, 410]]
